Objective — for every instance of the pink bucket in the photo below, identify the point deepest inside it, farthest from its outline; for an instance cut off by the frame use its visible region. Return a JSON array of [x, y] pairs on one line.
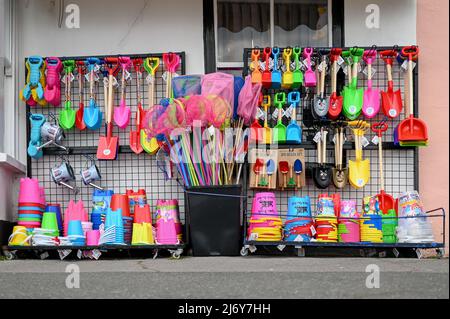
[[92, 237], [30, 191], [264, 205], [349, 230], [166, 232]]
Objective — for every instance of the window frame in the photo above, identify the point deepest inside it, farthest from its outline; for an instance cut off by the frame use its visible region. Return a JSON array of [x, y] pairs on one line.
[[335, 31]]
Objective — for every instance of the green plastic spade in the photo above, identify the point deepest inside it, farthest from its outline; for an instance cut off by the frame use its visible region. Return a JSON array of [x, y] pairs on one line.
[[279, 131], [353, 96], [67, 116]]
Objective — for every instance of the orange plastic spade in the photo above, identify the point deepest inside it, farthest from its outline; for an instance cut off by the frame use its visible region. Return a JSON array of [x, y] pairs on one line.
[[256, 73]]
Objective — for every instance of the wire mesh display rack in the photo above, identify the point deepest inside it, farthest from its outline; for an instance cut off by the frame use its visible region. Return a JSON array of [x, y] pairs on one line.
[[128, 171], [401, 164]]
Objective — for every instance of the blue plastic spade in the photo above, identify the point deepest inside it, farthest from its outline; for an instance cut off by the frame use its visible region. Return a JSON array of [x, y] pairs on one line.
[[92, 116], [294, 131]]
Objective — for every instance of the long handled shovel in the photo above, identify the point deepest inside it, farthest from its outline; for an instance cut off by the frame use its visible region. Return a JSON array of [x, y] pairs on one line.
[[340, 174], [79, 122], [279, 131], [359, 170], [321, 102], [353, 98], [335, 106], [267, 135], [391, 101], [68, 114], [135, 136], [108, 145], [151, 65], [122, 113], [324, 174], [386, 201], [412, 131], [92, 115], [371, 104]]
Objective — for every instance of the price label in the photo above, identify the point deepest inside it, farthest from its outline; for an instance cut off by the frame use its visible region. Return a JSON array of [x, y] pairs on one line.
[[252, 248], [340, 61], [149, 79], [365, 142], [63, 253], [313, 230], [366, 71], [275, 114], [376, 140], [289, 111], [271, 63], [317, 137], [262, 66], [283, 68], [281, 247], [96, 254], [260, 114], [293, 66], [253, 237], [127, 76], [115, 82], [165, 76], [79, 254], [298, 238]]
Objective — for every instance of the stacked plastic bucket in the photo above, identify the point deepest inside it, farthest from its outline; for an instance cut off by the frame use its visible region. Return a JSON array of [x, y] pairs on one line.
[[31, 203], [389, 227], [265, 223], [299, 224], [168, 225], [371, 223], [326, 220], [413, 225], [101, 200], [348, 227], [121, 202]]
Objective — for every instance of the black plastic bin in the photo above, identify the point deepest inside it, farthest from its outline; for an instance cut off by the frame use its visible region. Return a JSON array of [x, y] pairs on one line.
[[213, 216]]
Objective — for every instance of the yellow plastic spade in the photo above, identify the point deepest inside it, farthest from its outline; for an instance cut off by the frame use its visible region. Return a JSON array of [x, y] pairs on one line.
[[151, 146], [358, 170]]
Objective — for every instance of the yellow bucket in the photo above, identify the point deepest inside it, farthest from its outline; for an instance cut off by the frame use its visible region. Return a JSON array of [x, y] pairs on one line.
[[142, 234], [19, 237]]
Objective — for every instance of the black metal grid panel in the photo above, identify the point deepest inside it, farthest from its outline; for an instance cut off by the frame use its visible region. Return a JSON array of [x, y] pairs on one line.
[[75, 138], [379, 80], [128, 171], [400, 164], [398, 175]]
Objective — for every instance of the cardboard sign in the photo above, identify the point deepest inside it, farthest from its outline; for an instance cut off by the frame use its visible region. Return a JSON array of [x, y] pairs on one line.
[[291, 179]]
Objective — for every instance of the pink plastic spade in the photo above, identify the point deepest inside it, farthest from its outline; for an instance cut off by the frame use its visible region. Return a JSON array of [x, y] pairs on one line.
[[122, 113], [310, 76], [371, 102]]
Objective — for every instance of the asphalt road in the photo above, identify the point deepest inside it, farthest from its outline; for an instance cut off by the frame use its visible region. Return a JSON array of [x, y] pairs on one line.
[[222, 277]]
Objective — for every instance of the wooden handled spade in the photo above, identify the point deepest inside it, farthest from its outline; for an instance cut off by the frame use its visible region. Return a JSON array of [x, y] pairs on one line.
[[284, 169], [340, 174], [321, 103], [135, 138], [335, 107], [108, 145]]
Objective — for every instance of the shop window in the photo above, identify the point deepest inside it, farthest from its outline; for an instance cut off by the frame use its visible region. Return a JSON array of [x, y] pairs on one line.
[[243, 24]]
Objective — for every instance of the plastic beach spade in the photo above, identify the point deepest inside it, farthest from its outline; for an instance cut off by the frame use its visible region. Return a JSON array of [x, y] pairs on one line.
[[294, 132], [371, 104], [123, 112], [92, 115], [67, 115], [353, 96], [279, 131]]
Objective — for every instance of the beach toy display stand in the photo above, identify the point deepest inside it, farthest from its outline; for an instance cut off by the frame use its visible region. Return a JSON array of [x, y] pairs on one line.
[[127, 171], [401, 162]]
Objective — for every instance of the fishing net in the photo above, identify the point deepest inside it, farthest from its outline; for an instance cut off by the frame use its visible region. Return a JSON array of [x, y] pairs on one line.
[[220, 111], [219, 84], [186, 85], [198, 108], [151, 125]]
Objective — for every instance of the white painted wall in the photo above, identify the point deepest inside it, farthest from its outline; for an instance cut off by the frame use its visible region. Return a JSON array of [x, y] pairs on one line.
[[397, 23]]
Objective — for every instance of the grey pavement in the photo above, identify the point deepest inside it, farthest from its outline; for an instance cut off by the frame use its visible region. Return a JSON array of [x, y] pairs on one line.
[[227, 277]]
